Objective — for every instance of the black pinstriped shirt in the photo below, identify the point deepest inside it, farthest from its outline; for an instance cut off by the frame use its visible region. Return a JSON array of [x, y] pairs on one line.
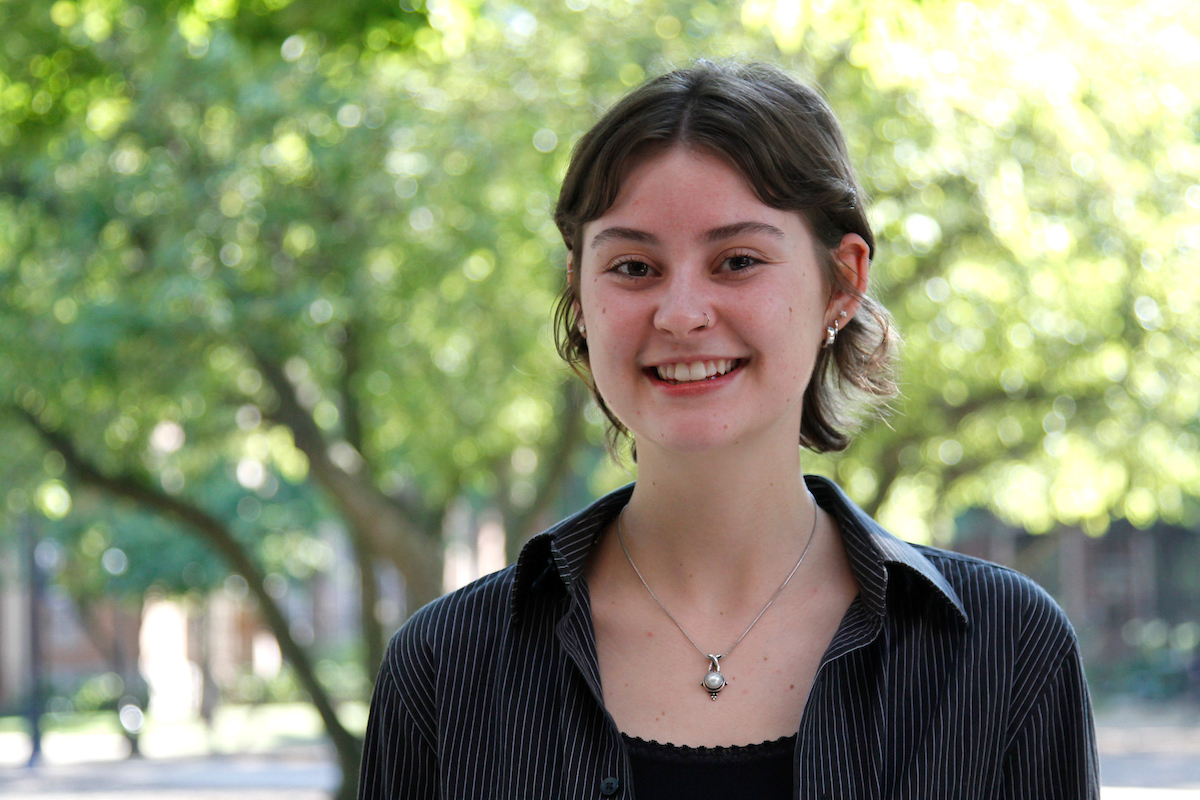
[[948, 677]]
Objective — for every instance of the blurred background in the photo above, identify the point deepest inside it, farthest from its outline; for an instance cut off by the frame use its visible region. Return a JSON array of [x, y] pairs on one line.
[[276, 365]]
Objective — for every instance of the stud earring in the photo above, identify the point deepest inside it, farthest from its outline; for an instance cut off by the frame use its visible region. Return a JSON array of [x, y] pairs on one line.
[[582, 329]]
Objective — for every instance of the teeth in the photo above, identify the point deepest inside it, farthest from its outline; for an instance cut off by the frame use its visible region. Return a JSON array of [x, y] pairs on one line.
[[695, 371]]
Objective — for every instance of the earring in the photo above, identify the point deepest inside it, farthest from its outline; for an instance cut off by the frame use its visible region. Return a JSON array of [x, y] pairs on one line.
[[582, 329], [831, 334], [832, 331]]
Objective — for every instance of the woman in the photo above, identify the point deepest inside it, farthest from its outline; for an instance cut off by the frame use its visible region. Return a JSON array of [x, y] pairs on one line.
[[727, 626]]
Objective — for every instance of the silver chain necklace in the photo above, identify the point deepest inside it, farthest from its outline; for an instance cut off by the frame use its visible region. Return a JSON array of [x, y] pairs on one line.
[[714, 681]]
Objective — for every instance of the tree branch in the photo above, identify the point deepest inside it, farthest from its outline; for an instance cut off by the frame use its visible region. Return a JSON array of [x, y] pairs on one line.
[[351, 409], [220, 538], [890, 458], [558, 465], [376, 518]]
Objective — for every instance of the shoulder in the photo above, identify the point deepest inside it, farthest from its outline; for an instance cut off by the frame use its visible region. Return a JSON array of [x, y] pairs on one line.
[[1014, 626], [455, 622], [1028, 648], [993, 595], [443, 637]]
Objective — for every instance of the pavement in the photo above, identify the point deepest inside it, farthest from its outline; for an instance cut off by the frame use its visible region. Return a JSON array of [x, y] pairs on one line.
[[1147, 753], [290, 773]]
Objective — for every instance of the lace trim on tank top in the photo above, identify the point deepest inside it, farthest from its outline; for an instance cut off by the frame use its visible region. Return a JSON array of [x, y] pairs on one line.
[[732, 754]]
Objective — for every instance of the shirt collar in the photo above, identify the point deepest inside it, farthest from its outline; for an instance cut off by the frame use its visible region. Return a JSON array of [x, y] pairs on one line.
[[553, 561]]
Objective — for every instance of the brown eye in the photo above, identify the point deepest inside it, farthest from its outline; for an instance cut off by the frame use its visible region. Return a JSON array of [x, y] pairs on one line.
[[737, 263], [634, 269]]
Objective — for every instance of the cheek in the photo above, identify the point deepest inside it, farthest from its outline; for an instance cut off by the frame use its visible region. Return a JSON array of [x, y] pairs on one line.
[[610, 346]]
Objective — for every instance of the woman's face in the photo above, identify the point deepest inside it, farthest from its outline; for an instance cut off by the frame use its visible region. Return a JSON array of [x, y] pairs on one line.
[[704, 308]]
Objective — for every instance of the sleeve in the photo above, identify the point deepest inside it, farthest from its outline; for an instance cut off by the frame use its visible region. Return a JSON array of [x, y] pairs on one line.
[[1052, 752], [399, 760]]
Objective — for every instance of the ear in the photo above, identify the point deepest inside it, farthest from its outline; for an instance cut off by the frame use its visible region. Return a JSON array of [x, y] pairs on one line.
[[575, 307], [853, 259]]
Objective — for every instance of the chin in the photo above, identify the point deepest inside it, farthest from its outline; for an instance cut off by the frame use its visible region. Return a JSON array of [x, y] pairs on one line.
[[688, 441]]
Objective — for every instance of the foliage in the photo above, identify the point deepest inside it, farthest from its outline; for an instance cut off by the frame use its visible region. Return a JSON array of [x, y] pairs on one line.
[[300, 253], [1038, 200]]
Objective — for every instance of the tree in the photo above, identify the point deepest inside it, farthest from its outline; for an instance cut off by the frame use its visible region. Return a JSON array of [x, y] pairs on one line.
[[206, 243], [1036, 199], [240, 245]]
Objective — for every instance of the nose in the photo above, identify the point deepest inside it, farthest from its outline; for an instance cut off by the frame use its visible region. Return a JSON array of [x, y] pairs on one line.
[[684, 305]]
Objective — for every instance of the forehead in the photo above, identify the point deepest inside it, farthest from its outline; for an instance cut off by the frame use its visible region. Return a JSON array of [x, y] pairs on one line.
[[685, 191]]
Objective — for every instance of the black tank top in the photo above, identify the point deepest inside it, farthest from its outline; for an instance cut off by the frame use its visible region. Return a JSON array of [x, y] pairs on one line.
[[677, 772]]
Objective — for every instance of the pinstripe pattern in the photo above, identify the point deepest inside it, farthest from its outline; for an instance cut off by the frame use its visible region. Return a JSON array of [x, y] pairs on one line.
[[948, 678]]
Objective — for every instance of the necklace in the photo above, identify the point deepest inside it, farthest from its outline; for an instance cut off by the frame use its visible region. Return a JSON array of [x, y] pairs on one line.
[[714, 681]]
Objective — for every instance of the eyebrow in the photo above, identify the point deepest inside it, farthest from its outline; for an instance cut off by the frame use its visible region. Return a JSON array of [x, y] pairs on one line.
[[624, 234], [739, 228], [714, 235]]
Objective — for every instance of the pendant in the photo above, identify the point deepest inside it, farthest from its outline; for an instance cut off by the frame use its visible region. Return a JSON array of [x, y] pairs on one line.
[[714, 681]]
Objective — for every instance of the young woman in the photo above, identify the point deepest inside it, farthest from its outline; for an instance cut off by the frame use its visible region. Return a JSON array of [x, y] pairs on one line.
[[728, 627]]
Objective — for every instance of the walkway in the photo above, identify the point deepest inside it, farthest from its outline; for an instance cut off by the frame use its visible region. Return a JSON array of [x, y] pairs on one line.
[[1146, 754]]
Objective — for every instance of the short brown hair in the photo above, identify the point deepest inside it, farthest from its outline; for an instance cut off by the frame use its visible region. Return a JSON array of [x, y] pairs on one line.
[[784, 139]]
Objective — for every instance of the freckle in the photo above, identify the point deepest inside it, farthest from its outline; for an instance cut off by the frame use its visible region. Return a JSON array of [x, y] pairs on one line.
[[793, 686]]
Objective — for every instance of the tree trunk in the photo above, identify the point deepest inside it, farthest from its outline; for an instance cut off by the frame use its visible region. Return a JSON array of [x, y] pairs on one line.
[[375, 520], [372, 629]]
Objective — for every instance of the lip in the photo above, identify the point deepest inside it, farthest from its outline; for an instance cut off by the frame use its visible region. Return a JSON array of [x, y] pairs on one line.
[[692, 387]]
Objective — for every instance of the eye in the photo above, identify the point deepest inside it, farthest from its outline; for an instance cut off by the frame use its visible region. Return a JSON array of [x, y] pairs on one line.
[[740, 262], [632, 268]]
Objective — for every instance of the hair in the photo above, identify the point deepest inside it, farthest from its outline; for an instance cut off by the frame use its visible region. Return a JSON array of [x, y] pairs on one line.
[[784, 139]]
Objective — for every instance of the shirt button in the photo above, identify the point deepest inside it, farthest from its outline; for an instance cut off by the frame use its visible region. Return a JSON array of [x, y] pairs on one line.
[[609, 786]]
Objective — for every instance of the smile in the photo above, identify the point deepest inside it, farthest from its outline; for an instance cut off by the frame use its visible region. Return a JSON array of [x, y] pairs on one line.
[[696, 370]]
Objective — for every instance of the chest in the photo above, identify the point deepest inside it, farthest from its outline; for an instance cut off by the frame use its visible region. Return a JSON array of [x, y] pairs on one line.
[[866, 729], [651, 675]]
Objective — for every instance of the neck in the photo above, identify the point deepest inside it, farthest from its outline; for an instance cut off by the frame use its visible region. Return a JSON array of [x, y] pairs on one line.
[[717, 527]]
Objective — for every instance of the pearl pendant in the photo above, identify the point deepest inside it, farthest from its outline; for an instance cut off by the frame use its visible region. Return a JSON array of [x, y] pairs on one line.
[[714, 681]]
